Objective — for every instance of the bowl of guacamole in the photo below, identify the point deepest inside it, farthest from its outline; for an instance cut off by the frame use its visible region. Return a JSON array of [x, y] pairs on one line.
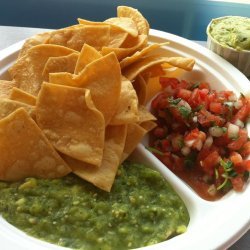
[[229, 37]]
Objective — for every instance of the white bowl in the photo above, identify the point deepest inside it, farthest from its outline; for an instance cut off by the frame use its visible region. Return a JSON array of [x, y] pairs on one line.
[[239, 58], [213, 225]]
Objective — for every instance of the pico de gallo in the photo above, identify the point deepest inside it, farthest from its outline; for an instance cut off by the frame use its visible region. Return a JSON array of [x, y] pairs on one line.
[[201, 136]]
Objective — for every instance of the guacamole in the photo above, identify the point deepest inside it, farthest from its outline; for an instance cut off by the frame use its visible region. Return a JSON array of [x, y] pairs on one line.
[[232, 31], [141, 209]]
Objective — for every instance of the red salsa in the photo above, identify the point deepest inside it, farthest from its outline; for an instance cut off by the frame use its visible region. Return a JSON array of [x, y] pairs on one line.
[[201, 136]]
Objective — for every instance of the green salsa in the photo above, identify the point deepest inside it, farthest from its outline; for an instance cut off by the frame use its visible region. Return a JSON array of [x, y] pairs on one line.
[[232, 31], [141, 209]]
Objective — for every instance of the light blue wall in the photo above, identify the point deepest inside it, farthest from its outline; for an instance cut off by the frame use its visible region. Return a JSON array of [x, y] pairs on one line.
[[187, 18]]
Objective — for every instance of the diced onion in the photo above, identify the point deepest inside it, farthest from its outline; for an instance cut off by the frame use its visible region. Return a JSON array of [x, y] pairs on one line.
[[199, 145], [239, 123], [195, 119], [185, 150], [232, 98], [216, 131], [208, 142], [233, 130], [238, 104], [189, 143]]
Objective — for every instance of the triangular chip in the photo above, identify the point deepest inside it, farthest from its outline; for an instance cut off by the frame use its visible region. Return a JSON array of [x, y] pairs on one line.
[[127, 111], [25, 151], [8, 106], [27, 70], [140, 87], [103, 78], [139, 54], [134, 135], [6, 88], [124, 52], [88, 54], [136, 16], [71, 122], [144, 63], [103, 177], [125, 23], [60, 64], [76, 36], [144, 115], [22, 96], [148, 125]]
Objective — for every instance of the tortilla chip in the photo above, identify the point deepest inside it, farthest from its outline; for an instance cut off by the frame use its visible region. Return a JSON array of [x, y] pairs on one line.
[[103, 78], [139, 54], [127, 111], [33, 41], [134, 135], [27, 70], [103, 177], [148, 125], [60, 64], [71, 122], [124, 52], [153, 87], [136, 16], [25, 151], [144, 115], [125, 23], [144, 63], [140, 87], [8, 106], [6, 88], [88, 54], [22, 96], [75, 37]]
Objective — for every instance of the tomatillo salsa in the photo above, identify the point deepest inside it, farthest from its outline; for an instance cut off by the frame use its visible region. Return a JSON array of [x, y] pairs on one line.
[[141, 209], [201, 136]]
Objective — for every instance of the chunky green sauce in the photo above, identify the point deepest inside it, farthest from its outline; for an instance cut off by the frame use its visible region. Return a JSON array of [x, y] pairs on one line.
[[232, 32], [142, 209]]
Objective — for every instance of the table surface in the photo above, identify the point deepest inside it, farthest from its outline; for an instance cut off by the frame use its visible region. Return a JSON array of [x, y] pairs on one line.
[[10, 35]]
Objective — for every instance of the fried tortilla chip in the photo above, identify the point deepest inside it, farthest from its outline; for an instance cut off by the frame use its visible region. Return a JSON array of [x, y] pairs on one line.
[[148, 125], [125, 23], [27, 70], [8, 106], [22, 96], [144, 63], [139, 54], [124, 52], [60, 64], [136, 16], [6, 88], [88, 54], [71, 122], [144, 115], [103, 177], [103, 78], [76, 36], [127, 111], [25, 151], [134, 135], [140, 87]]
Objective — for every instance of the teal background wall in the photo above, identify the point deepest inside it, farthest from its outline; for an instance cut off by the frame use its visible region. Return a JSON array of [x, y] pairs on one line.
[[187, 18]]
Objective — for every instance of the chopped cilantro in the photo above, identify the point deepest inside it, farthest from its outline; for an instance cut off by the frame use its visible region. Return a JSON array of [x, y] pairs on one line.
[[154, 150], [184, 111], [195, 85]]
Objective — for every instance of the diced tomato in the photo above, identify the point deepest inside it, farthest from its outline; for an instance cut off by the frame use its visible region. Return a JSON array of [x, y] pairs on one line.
[[207, 119], [160, 132], [203, 85], [239, 142], [210, 162], [185, 94], [238, 183], [246, 165], [237, 160], [216, 107], [166, 81], [242, 114], [177, 142], [245, 150], [160, 101]]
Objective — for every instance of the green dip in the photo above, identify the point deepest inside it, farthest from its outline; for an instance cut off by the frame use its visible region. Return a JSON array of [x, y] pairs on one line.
[[232, 31], [141, 209]]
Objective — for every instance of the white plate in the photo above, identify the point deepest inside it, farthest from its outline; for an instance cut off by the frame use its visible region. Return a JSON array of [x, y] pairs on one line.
[[213, 225]]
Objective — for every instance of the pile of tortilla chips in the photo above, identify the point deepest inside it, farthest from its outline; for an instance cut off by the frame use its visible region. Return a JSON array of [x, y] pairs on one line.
[[75, 99]]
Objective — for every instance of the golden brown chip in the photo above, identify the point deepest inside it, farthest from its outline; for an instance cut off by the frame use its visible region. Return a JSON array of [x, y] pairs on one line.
[[144, 115], [136, 16], [125, 23], [27, 70], [127, 111], [144, 63], [140, 87], [60, 64], [25, 151], [134, 135], [71, 122], [88, 54], [103, 78], [33, 41], [22, 96], [124, 52], [148, 125], [8, 106], [6, 88], [139, 54], [103, 177], [76, 36]]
